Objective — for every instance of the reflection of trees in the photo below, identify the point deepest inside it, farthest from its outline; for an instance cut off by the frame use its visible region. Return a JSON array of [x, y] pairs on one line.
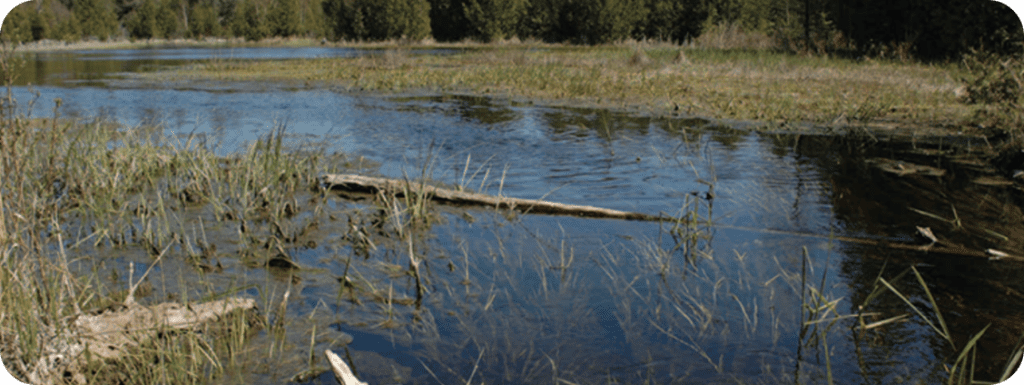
[[971, 292], [603, 123], [727, 136], [479, 109], [71, 68]]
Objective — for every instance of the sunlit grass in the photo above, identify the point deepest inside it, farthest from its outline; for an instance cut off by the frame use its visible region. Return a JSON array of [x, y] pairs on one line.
[[749, 85]]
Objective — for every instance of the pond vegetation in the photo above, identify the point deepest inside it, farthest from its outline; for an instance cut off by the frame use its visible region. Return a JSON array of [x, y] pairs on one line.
[[413, 291]]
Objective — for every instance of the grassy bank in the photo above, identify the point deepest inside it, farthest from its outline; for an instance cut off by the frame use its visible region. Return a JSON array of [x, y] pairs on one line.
[[749, 85], [77, 196]]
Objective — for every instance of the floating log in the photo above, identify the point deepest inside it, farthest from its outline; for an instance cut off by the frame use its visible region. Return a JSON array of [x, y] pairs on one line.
[[361, 183], [341, 370]]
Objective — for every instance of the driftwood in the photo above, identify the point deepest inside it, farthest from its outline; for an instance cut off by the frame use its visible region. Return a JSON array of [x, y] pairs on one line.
[[358, 183], [341, 370], [109, 334], [361, 183]]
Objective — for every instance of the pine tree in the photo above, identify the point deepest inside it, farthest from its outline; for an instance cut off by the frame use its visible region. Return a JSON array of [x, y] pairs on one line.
[[284, 18], [494, 19], [17, 26], [96, 18], [203, 21]]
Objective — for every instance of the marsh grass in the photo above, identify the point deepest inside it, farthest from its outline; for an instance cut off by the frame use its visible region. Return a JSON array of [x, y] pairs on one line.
[[676, 304], [738, 84], [74, 190]]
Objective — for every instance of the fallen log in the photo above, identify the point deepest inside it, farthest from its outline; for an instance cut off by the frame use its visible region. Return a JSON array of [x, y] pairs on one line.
[[361, 183], [341, 370], [108, 335]]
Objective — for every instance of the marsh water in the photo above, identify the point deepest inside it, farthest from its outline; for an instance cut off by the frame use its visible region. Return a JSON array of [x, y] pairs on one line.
[[783, 224]]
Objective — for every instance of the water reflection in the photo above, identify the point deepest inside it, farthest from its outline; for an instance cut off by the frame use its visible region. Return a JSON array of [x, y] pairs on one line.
[[83, 68]]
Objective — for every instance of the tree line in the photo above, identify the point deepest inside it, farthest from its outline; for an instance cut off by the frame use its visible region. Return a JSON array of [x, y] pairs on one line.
[[927, 29]]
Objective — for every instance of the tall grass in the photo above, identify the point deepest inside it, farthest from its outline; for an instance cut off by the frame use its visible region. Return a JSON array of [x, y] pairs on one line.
[[72, 189]]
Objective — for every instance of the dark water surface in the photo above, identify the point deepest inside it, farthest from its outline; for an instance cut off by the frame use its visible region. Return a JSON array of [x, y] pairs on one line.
[[546, 299]]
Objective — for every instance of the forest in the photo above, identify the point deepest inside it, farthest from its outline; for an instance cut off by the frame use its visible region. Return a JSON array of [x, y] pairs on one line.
[[922, 29]]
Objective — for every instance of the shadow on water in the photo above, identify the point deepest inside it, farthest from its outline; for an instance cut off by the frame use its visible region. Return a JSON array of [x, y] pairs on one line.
[[765, 223]]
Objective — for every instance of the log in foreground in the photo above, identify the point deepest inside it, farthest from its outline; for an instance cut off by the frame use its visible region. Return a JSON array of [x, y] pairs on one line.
[[361, 183], [109, 335], [341, 370]]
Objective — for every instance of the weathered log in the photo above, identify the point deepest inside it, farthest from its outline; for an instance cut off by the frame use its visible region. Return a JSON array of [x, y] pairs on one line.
[[358, 183], [341, 370], [109, 334], [361, 183]]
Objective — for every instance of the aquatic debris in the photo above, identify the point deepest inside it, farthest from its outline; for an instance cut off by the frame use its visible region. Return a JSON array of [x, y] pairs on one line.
[[341, 370], [995, 254], [371, 184], [902, 168], [109, 334]]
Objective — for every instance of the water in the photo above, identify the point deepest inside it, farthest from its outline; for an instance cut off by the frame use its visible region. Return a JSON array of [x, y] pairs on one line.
[[582, 300]]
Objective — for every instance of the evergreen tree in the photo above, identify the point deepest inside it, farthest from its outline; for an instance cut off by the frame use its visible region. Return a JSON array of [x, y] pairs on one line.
[[45, 22], [96, 18], [387, 19], [167, 18], [494, 19], [604, 21], [284, 18], [141, 22], [250, 21], [203, 21], [67, 28], [17, 26], [544, 20], [312, 21], [448, 20]]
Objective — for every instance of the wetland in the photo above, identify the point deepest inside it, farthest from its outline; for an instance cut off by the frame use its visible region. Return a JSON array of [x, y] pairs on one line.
[[790, 189]]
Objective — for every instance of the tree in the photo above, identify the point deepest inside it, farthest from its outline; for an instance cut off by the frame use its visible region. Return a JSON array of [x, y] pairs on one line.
[[385, 19], [96, 18], [312, 20], [494, 19], [448, 20], [936, 29], [44, 23], [167, 17], [543, 20], [604, 21], [250, 21], [17, 26], [68, 29], [203, 21], [284, 18], [141, 21]]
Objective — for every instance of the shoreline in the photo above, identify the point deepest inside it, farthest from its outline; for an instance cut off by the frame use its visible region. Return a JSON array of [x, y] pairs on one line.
[[766, 91]]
